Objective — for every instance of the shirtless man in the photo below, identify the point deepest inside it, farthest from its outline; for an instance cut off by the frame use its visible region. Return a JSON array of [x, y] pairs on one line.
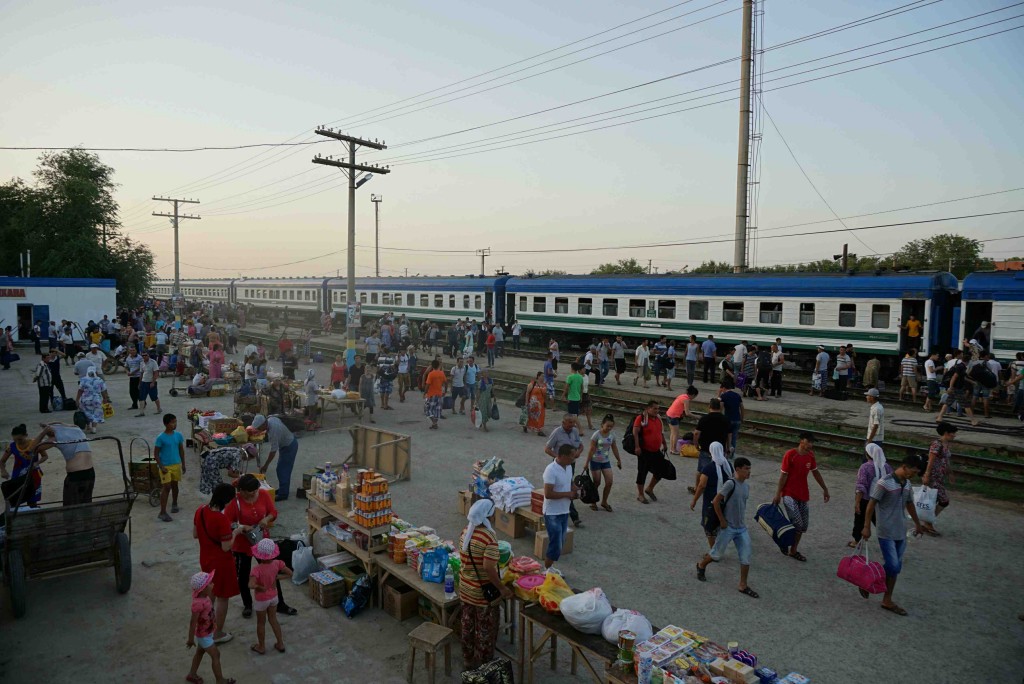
[[70, 440]]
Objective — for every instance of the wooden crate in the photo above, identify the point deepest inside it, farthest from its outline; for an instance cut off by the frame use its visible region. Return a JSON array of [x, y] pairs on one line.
[[327, 595], [389, 453]]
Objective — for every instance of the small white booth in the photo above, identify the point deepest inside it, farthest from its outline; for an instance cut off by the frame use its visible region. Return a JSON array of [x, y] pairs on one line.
[[23, 301]]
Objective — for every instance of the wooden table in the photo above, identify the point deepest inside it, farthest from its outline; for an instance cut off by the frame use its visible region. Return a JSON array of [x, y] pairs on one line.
[[367, 557], [595, 653], [340, 405], [445, 609]]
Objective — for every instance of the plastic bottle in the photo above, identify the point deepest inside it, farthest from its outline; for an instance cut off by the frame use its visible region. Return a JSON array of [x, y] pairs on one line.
[[329, 480], [449, 584]]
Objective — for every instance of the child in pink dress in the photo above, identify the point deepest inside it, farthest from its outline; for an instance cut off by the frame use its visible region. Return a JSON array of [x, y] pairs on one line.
[[263, 582], [201, 628]]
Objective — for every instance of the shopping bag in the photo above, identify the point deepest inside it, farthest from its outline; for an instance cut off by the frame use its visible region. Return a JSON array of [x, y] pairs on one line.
[[448, 403], [816, 381], [667, 470], [56, 403], [108, 410], [433, 564], [494, 410], [524, 415], [521, 400], [925, 500], [303, 563], [552, 592], [861, 572], [587, 610], [630, 620]]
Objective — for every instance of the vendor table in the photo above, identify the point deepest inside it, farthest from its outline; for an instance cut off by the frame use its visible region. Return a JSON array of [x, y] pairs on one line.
[[592, 649], [445, 609], [340, 405], [368, 558]]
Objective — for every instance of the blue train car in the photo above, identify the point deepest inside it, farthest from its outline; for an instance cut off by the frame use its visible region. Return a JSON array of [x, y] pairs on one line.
[[804, 309], [996, 297]]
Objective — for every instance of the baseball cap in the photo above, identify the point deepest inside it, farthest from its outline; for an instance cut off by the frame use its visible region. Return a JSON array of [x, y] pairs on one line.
[[94, 346], [871, 393]]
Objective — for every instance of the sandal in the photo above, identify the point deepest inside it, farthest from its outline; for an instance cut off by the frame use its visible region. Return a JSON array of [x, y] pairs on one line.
[[195, 679], [606, 507], [255, 648], [701, 573], [650, 494], [593, 507], [796, 555], [642, 500], [279, 648], [750, 592], [894, 609]]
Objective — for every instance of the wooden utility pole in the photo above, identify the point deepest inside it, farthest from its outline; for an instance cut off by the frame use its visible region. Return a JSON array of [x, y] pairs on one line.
[[350, 168], [175, 216]]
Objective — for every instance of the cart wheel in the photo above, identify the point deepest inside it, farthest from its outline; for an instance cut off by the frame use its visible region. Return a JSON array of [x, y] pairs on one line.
[[122, 562], [154, 497], [16, 577]]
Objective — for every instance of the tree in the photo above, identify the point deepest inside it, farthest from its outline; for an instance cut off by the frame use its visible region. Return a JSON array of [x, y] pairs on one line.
[[69, 221], [530, 273], [623, 266], [957, 254], [713, 267]]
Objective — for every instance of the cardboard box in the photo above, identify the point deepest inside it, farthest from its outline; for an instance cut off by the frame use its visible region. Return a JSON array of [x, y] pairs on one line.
[[540, 543], [351, 573], [318, 516], [465, 499], [400, 601], [510, 524]]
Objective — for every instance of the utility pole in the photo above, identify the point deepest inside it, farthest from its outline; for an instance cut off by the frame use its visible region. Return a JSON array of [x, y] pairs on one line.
[[174, 217], [484, 253], [743, 153], [377, 199], [648, 267], [350, 169], [846, 257]]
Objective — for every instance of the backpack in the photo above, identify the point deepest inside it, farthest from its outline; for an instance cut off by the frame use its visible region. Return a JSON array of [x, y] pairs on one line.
[[982, 375], [764, 361], [629, 444], [588, 490]]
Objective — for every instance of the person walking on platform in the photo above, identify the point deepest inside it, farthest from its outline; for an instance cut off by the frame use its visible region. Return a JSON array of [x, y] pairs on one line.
[[693, 353], [844, 364], [820, 380], [778, 360], [730, 506], [642, 359], [792, 489], [517, 333], [619, 358], [869, 473], [567, 434], [876, 418], [650, 447]]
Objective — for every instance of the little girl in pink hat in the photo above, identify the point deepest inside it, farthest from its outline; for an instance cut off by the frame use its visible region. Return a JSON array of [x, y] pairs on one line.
[[263, 582]]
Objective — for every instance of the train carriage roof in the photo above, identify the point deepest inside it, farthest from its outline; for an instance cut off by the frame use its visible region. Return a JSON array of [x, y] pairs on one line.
[[427, 284], [994, 285], [890, 285]]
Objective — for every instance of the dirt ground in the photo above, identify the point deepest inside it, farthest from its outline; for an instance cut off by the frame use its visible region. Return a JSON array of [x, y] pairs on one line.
[[961, 590]]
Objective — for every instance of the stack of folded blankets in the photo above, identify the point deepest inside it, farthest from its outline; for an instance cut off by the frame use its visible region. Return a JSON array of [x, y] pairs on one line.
[[511, 493]]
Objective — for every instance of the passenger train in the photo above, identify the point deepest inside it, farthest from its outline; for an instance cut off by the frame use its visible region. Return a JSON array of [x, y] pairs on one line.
[[868, 310]]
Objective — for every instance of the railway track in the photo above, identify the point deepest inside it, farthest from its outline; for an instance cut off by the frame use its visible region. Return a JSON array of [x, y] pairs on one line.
[[983, 469]]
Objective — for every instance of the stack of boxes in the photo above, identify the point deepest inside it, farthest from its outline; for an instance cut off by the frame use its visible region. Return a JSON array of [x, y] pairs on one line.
[[537, 501], [372, 501]]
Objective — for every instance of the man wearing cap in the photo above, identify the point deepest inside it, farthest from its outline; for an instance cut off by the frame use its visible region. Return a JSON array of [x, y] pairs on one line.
[[82, 365], [821, 371], [876, 419], [981, 336], [150, 371], [97, 357]]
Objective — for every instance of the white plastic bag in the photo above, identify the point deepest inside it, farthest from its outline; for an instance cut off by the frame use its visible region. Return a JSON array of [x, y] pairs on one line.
[[626, 619], [925, 500], [587, 610], [303, 563]]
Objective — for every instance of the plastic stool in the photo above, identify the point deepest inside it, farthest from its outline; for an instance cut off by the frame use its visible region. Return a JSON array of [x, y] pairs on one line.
[[429, 638]]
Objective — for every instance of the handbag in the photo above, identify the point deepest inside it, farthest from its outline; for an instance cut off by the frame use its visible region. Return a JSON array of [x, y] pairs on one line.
[[490, 592], [253, 535], [494, 409], [108, 410], [521, 400], [861, 572], [667, 470]]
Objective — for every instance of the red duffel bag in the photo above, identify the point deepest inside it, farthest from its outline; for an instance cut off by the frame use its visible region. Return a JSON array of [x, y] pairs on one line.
[[862, 573]]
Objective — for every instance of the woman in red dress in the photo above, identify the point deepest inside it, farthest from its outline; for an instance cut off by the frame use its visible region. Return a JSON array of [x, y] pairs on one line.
[[213, 530]]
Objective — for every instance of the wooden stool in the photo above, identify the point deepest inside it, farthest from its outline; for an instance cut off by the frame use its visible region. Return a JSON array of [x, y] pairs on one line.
[[429, 638]]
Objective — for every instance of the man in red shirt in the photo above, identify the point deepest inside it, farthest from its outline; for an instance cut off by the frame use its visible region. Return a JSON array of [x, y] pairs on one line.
[[284, 345], [792, 491], [650, 450]]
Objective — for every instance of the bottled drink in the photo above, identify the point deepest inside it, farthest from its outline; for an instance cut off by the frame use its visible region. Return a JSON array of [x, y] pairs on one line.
[[449, 584]]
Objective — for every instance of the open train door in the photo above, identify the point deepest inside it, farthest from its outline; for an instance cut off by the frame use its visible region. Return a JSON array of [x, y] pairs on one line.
[[915, 308], [510, 308], [972, 315]]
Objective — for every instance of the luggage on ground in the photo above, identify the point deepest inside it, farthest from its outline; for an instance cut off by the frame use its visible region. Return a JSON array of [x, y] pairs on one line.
[[774, 521]]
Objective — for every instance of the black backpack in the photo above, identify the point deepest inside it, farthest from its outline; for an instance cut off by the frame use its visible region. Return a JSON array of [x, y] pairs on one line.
[[629, 444], [588, 490], [984, 376], [764, 361]]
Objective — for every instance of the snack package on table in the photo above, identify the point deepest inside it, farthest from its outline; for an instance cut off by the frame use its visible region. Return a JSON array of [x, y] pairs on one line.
[[552, 592]]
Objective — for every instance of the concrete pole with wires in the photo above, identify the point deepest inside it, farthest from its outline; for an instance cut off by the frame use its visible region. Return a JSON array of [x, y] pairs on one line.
[[376, 199], [743, 162], [175, 217]]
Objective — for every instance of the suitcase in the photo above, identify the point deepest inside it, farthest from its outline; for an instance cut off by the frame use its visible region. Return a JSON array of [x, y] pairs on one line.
[[774, 521]]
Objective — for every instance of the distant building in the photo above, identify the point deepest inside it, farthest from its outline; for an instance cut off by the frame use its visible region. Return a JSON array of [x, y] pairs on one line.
[[26, 300], [1012, 265]]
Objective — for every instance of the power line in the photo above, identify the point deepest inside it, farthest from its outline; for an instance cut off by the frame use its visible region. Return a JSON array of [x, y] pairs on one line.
[[166, 149]]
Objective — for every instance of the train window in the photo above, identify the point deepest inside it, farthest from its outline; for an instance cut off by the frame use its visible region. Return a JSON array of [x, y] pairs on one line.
[[666, 308], [291, 294], [879, 315], [438, 301], [477, 302], [806, 313], [465, 301], [309, 296], [397, 299], [540, 304], [410, 300], [522, 303], [373, 297], [561, 305], [585, 306], [848, 315], [424, 300], [451, 301], [386, 299], [610, 307], [698, 310], [771, 312], [732, 312], [637, 308], [362, 297], [342, 296]]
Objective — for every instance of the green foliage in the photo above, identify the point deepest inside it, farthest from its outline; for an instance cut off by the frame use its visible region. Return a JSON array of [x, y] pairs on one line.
[[64, 218], [530, 273], [623, 266], [957, 254]]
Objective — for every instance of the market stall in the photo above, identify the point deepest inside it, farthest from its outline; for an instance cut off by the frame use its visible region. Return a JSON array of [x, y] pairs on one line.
[[345, 405]]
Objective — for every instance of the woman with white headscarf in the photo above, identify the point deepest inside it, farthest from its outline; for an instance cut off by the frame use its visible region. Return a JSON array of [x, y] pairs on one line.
[[712, 478], [479, 555], [312, 395], [870, 472], [92, 392]]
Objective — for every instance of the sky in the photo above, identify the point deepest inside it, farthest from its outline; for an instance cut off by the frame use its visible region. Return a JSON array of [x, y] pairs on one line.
[[926, 129]]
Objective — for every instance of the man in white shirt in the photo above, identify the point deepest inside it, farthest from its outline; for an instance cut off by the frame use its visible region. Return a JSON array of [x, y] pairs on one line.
[[876, 417], [499, 340], [559, 492], [739, 353], [97, 357], [642, 359], [517, 331], [458, 378], [250, 350], [619, 358], [932, 378], [820, 371], [147, 386]]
